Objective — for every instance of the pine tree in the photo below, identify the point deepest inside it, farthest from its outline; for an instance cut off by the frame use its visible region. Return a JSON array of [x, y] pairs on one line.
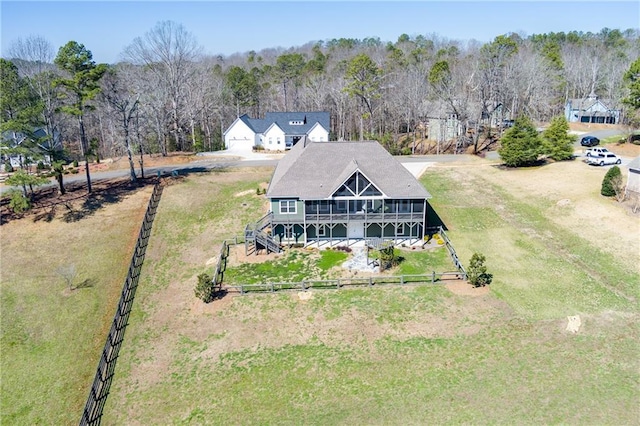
[[82, 87], [520, 145], [557, 142]]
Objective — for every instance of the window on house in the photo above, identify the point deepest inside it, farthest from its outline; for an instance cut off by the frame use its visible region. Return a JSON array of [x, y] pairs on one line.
[[287, 206], [400, 229], [321, 231], [357, 186], [404, 206], [324, 207], [341, 206], [270, 141], [278, 141]]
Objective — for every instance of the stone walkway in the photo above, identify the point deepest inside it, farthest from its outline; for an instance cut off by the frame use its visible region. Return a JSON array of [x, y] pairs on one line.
[[359, 262]]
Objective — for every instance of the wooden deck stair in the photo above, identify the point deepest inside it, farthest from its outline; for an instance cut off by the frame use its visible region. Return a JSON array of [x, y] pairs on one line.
[[255, 237]]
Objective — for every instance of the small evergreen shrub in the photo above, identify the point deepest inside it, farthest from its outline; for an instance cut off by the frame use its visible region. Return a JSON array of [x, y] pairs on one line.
[[608, 188], [18, 202], [477, 273], [388, 258], [205, 289], [8, 167], [75, 163]]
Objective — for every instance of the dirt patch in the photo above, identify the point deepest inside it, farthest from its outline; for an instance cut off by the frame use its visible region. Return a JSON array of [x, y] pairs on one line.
[[76, 203], [624, 149], [463, 288], [237, 256], [590, 127], [150, 160]]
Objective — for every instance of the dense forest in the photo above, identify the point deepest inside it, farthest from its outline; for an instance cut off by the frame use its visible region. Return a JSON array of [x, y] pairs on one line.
[[165, 95]]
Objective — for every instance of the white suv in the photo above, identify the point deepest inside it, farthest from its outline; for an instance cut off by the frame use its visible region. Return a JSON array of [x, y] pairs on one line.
[[607, 158]]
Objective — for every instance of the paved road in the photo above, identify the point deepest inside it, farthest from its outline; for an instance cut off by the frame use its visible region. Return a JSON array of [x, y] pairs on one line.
[[222, 160], [226, 159]]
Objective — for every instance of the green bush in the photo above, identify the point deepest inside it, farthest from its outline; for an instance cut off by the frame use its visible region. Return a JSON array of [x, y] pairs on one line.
[[18, 202], [608, 188], [75, 163], [477, 273], [388, 258], [8, 167], [205, 290]]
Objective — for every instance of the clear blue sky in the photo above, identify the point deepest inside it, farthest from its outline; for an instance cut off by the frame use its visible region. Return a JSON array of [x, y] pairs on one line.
[[106, 27]]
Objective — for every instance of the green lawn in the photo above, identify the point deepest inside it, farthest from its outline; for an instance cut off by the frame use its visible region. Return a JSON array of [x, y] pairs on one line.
[[393, 355], [541, 269], [51, 338], [383, 355]]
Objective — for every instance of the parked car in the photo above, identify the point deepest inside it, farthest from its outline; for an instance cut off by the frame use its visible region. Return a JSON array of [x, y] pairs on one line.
[[596, 152], [608, 158], [590, 141]]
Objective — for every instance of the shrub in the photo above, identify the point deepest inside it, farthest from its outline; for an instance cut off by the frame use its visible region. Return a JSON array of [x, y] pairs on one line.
[[388, 258], [8, 167], [75, 163], [477, 273], [41, 166], [608, 189], [18, 202], [205, 289]]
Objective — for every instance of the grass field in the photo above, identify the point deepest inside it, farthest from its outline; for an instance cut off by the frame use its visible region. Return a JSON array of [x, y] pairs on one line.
[[398, 355], [391, 355], [51, 337]]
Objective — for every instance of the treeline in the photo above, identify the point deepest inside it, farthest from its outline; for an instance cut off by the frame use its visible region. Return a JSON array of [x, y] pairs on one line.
[[165, 95]]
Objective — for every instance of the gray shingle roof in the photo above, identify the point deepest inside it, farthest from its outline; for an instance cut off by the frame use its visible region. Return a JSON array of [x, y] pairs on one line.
[[282, 119], [315, 170]]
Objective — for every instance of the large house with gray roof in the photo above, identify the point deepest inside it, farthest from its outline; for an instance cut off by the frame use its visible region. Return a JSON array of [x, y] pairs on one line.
[[329, 192], [278, 131], [590, 110]]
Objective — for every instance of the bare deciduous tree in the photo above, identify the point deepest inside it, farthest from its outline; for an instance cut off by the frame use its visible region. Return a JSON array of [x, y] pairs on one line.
[[170, 52]]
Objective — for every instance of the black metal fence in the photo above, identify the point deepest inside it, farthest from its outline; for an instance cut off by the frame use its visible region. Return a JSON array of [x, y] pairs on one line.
[[92, 414]]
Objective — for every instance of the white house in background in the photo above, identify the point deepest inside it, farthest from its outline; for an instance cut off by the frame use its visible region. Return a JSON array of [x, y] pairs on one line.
[[590, 110], [278, 131], [633, 179]]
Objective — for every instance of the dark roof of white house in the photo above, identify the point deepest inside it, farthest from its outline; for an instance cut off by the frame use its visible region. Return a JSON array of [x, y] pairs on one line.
[[316, 170], [285, 121]]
